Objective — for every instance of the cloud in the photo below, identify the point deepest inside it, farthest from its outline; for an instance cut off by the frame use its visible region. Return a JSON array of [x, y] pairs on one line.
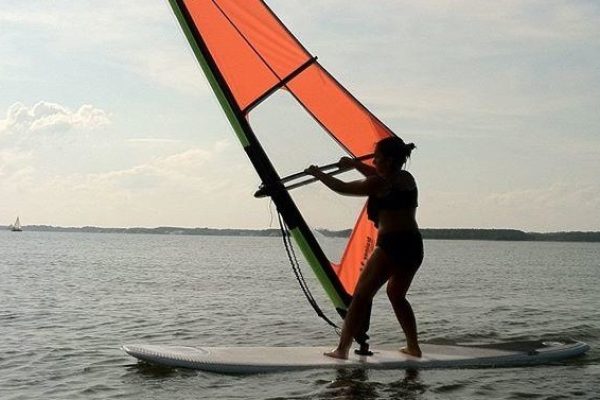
[[183, 169], [169, 65], [45, 117], [200, 170], [15, 165], [140, 37], [159, 141], [201, 186]]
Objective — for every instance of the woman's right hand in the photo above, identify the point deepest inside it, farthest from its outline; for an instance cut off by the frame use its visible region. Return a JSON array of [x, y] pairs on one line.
[[346, 163]]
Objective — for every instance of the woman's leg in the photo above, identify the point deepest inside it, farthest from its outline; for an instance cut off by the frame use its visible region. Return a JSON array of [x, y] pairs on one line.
[[376, 273], [396, 290]]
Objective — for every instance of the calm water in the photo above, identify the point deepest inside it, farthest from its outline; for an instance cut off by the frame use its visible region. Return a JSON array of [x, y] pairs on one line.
[[69, 300]]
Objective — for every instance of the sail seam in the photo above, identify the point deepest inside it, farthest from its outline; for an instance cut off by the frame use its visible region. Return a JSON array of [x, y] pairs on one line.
[[246, 39], [283, 82]]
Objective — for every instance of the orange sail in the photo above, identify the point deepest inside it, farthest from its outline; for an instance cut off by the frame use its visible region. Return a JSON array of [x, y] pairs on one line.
[[256, 55]]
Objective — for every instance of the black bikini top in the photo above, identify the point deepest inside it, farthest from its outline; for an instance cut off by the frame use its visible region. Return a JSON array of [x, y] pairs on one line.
[[393, 199]]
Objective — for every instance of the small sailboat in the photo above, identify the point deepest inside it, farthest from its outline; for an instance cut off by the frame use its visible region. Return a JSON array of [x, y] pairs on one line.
[[16, 227]]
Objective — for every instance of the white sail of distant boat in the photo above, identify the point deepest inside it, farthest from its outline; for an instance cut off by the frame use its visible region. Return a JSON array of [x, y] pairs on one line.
[[16, 227]]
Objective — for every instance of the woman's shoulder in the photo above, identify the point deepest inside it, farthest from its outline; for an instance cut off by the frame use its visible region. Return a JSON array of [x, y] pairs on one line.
[[376, 181], [405, 181], [376, 184]]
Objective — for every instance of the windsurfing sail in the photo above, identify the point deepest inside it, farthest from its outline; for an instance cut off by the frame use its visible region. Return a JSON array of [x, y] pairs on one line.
[[248, 54]]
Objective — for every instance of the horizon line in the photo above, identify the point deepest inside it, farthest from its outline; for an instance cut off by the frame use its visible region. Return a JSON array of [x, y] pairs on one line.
[[277, 228]]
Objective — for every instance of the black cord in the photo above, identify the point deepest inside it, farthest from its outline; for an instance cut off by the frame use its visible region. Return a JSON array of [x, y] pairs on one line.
[[289, 248]]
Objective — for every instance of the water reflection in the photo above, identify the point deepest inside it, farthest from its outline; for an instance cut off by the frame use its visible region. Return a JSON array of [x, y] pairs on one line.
[[147, 370], [354, 384], [410, 387]]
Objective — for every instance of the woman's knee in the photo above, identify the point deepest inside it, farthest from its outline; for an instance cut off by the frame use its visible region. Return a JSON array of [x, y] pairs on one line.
[[394, 293], [397, 288], [363, 295]]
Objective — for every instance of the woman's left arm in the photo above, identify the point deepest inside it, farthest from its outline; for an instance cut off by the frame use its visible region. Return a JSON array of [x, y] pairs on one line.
[[362, 187]]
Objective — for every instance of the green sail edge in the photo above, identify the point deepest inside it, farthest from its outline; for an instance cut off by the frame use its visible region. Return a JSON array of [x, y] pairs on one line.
[[317, 269], [209, 75]]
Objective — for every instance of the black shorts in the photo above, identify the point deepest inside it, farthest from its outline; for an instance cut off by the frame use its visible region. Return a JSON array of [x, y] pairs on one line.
[[404, 248]]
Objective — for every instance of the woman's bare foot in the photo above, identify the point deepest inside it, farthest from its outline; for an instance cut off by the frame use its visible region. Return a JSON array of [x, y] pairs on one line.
[[415, 352], [337, 353]]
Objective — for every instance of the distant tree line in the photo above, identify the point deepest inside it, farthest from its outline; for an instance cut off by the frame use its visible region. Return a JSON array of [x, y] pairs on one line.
[[475, 234], [445, 234], [492, 234], [161, 230]]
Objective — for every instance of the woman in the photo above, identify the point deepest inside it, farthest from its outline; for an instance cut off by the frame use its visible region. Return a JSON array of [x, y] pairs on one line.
[[392, 204]]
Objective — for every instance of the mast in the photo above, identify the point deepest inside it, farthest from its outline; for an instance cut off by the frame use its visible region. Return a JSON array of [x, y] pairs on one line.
[[271, 181]]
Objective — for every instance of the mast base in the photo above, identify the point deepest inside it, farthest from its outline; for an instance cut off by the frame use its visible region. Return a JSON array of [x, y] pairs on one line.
[[363, 350]]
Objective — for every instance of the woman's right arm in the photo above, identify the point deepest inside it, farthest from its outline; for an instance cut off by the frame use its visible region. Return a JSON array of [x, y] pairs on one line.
[[362, 187]]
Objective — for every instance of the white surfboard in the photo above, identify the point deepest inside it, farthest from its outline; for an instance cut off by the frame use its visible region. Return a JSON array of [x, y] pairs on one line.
[[242, 360]]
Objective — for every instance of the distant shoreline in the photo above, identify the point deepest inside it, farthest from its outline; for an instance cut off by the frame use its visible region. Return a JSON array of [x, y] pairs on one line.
[[428, 233]]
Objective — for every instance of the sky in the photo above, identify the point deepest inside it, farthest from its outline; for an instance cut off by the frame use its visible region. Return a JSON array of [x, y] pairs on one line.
[[107, 120]]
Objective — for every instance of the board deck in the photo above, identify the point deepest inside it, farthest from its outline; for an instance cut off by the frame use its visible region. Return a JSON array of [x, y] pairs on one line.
[[242, 360]]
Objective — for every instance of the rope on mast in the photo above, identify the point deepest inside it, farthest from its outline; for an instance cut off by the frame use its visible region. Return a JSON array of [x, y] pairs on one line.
[[289, 248]]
